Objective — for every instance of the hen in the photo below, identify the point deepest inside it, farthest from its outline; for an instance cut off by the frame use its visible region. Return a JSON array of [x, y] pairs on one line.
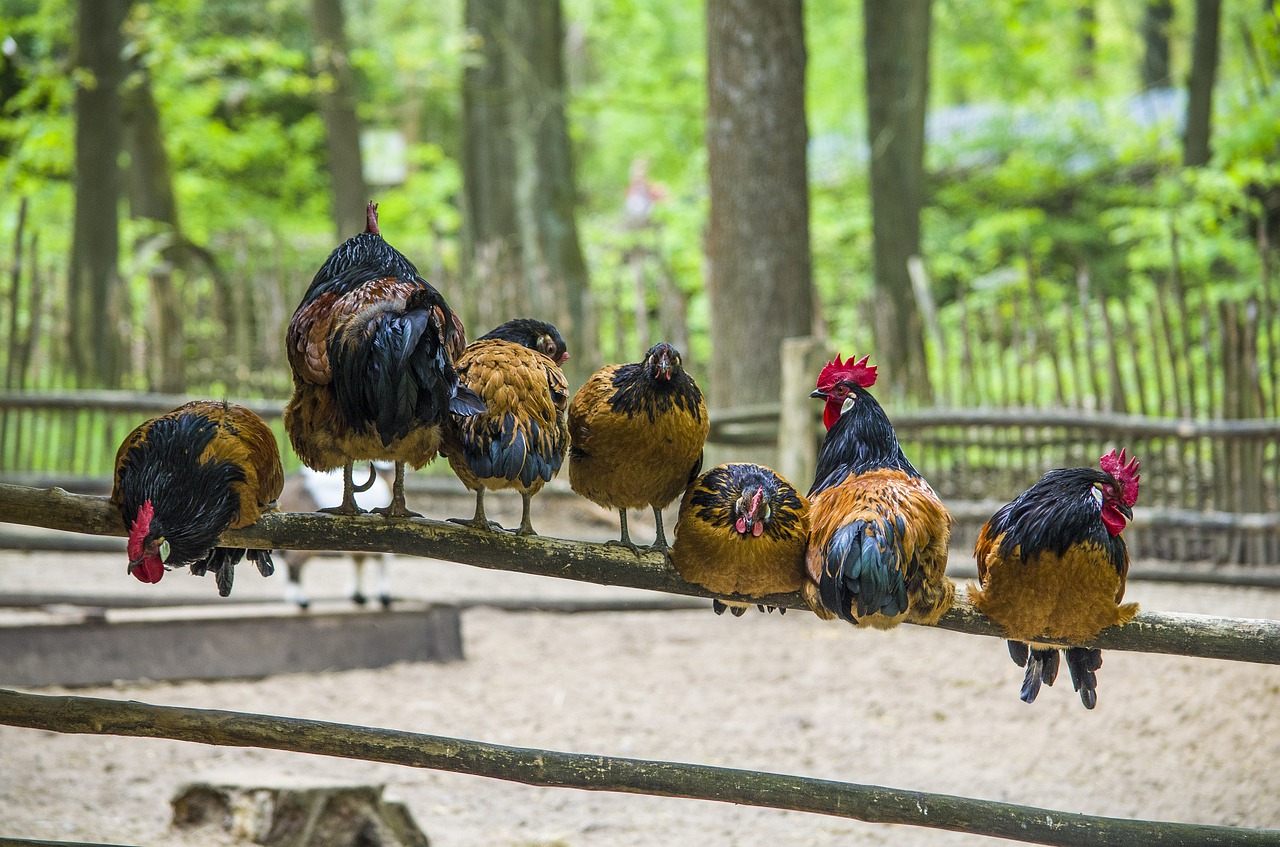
[[372, 347], [636, 433], [184, 478], [1052, 566], [878, 534], [742, 530], [520, 440]]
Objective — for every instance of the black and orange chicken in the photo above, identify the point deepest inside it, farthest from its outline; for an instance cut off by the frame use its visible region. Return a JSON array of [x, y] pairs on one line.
[[635, 437], [372, 348], [742, 530], [184, 478], [520, 440], [1052, 567], [878, 535]]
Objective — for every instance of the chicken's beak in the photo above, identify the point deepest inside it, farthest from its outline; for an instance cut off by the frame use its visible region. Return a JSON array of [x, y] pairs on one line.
[[133, 563], [818, 394], [564, 357], [1125, 510]]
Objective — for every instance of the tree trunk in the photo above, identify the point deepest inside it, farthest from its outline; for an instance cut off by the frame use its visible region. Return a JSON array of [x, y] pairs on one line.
[[491, 247], [897, 55], [150, 188], [1156, 17], [1204, 68], [760, 278], [555, 271], [338, 108], [94, 285]]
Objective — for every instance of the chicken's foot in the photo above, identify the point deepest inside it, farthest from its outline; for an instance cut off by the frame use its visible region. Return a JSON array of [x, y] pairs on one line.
[[479, 521], [625, 541], [348, 505], [397, 508]]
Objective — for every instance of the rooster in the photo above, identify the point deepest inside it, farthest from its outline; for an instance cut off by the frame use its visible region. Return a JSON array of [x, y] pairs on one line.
[[636, 433], [184, 478], [878, 534], [520, 440], [742, 530], [1052, 565], [372, 347]]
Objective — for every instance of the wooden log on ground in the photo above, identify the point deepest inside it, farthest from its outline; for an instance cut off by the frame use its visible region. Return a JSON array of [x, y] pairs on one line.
[[870, 803], [291, 811], [1237, 639]]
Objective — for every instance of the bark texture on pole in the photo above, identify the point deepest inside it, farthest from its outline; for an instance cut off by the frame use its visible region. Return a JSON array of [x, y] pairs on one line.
[[1237, 639], [870, 803], [94, 278], [338, 108], [760, 278], [897, 56], [1204, 70]]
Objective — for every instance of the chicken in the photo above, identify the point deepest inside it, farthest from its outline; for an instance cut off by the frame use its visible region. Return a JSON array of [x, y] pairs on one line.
[[520, 440], [635, 437], [878, 535], [184, 478], [307, 491], [742, 530], [1052, 566], [372, 348]]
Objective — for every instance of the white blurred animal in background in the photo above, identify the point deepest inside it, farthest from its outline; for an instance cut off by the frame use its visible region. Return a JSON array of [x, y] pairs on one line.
[[309, 491]]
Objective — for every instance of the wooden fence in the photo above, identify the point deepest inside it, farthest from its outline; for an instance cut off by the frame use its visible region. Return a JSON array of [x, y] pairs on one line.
[[1237, 639], [1210, 488]]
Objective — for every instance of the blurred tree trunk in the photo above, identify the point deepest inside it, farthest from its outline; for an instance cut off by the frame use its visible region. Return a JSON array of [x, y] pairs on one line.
[[760, 281], [1157, 15], [1087, 19], [338, 107], [149, 181], [1204, 69], [97, 350], [546, 195], [897, 56], [491, 239]]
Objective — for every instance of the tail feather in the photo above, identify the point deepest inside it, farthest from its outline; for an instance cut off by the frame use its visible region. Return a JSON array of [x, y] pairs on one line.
[[861, 570], [466, 402], [1083, 664], [1042, 667]]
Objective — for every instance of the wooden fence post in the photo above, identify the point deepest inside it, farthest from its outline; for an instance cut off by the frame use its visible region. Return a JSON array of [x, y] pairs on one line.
[[802, 358]]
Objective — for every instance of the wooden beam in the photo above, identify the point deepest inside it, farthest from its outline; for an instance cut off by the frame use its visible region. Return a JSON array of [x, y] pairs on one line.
[[870, 803], [1237, 639]]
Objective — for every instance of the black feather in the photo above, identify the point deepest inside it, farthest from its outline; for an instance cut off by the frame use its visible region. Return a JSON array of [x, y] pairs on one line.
[[861, 440], [1083, 663], [1042, 667], [860, 572]]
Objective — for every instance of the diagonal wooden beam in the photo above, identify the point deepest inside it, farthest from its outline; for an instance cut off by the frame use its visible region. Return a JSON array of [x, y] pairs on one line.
[[1205, 636], [870, 803]]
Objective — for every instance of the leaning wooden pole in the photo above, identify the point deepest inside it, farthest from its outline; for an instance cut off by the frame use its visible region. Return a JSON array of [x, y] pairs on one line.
[[551, 768], [1236, 639]]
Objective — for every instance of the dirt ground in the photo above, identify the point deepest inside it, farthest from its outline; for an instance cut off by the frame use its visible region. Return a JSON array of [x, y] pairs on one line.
[[1172, 738]]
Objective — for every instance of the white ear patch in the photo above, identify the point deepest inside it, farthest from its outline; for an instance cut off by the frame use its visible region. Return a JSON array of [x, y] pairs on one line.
[[1097, 494], [848, 404]]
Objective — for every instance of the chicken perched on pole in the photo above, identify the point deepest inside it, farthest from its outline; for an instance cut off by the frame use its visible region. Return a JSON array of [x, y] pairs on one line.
[[1052, 566], [879, 535], [742, 530], [520, 441], [636, 433], [372, 347], [184, 478]]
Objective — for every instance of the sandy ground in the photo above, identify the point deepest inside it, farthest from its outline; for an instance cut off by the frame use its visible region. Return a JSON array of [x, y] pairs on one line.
[[1172, 738]]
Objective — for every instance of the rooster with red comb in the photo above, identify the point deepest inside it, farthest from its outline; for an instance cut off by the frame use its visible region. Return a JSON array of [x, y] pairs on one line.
[[1052, 566], [878, 534]]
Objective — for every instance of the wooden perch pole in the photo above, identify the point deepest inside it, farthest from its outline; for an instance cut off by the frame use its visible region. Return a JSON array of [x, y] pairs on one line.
[[869, 803], [1236, 639]]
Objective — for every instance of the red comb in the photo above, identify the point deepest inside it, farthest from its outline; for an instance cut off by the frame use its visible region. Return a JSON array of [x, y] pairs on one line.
[[1125, 474], [838, 371]]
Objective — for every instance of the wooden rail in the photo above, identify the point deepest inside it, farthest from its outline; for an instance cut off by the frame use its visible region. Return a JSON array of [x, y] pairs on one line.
[[1237, 639], [870, 803]]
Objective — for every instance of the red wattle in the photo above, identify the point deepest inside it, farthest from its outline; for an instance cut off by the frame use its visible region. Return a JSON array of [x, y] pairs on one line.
[[149, 570], [741, 526], [830, 414], [758, 529], [1113, 520]]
